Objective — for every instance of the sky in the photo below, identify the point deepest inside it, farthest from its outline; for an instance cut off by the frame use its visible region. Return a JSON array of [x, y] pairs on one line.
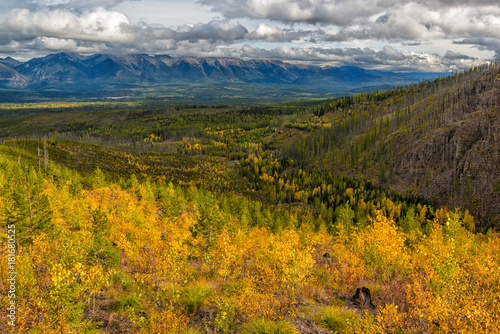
[[401, 35]]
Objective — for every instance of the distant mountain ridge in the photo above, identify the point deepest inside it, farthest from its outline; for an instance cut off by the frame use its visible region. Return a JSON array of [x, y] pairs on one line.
[[70, 71]]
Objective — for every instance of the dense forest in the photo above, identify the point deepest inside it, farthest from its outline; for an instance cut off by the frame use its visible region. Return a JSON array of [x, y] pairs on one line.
[[373, 213]]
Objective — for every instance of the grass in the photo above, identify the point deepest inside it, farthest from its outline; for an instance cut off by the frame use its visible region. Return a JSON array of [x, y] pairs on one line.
[[336, 319], [195, 297], [126, 302], [263, 326]]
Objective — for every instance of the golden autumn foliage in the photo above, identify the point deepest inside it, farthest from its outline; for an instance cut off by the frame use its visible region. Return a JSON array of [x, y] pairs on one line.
[[159, 258]]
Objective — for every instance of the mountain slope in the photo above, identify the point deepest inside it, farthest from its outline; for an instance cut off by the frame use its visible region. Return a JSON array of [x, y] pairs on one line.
[[458, 160], [440, 140], [53, 69], [10, 62], [9, 78]]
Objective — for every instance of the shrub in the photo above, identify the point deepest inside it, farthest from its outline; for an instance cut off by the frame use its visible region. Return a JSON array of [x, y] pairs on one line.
[[224, 320]]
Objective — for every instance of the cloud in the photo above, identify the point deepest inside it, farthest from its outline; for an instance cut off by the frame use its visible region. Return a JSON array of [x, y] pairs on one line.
[[345, 12], [483, 43], [213, 31], [274, 34], [390, 53], [385, 19], [101, 29], [339, 12], [96, 25], [450, 55], [308, 30], [267, 33], [385, 58]]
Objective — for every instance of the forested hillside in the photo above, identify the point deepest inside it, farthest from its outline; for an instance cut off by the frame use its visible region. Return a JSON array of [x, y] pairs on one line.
[[367, 214], [439, 140]]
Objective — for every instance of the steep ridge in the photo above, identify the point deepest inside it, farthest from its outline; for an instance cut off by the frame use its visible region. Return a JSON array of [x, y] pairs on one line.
[[439, 139], [457, 161], [10, 62], [9, 78]]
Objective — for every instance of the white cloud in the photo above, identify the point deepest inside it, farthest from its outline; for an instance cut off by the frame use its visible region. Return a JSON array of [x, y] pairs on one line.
[[97, 25], [368, 33], [367, 19], [267, 33], [386, 58], [340, 12], [52, 43]]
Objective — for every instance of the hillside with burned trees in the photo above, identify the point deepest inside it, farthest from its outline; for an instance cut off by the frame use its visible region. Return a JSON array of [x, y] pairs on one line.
[[439, 140]]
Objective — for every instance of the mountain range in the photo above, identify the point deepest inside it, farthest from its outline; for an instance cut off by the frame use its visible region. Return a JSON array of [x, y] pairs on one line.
[[75, 72]]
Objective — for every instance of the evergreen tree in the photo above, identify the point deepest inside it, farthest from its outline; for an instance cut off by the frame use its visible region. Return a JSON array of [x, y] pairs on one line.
[[29, 209]]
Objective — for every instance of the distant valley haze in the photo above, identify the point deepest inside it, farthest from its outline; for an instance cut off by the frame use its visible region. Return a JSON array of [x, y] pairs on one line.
[[82, 76]]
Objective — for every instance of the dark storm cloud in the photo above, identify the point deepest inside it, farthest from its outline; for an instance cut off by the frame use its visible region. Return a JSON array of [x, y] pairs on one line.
[[456, 56], [483, 43]]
